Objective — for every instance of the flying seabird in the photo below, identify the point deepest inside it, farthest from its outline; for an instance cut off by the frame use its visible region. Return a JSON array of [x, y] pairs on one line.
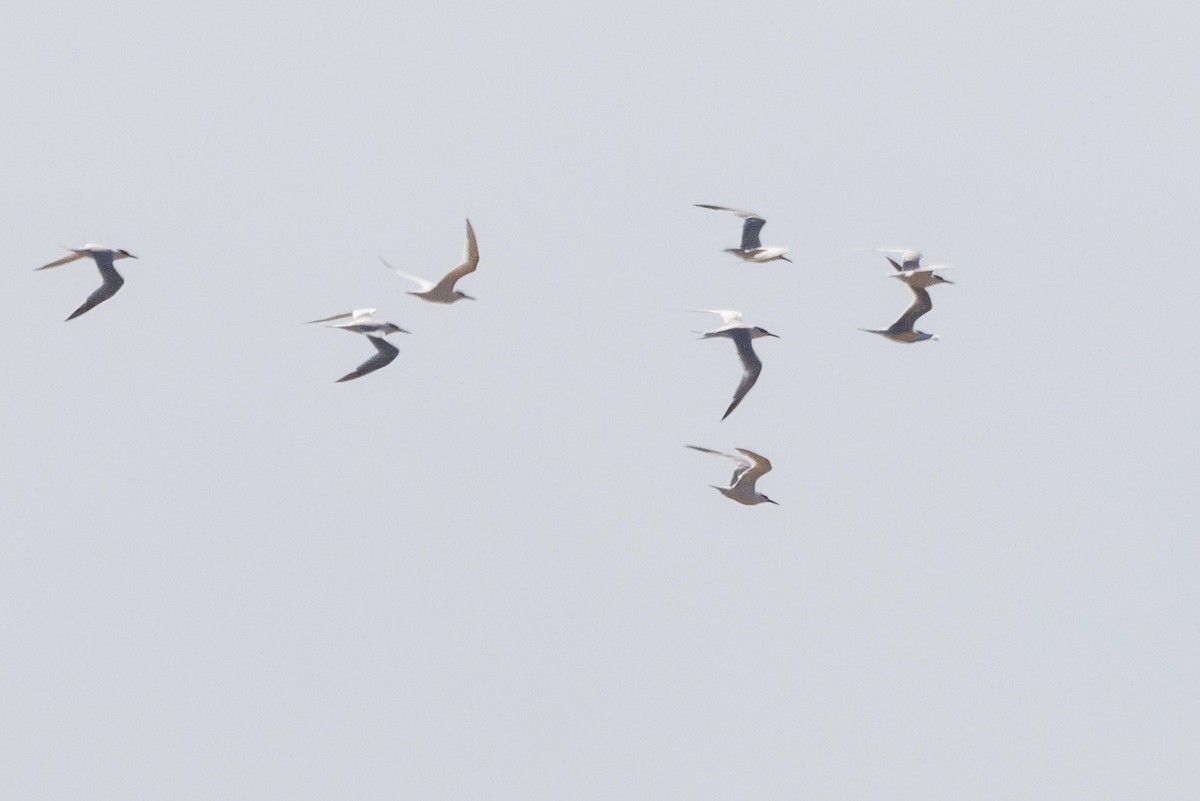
[[104, 258], [362, 321], [751, 249], [910, 271], [750, 468], [742, 335], [443, 291]]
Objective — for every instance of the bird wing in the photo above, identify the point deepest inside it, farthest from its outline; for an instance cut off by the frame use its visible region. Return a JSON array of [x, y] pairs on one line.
[[751, 365], [743, 464], [469, 263], [738, 212], [424, 284], [921, 304], [728, 316], [906, 255], [65, 260], [357, 314], [758, 466], [754, 223], [385, 353], [750, 230], [112, 282]]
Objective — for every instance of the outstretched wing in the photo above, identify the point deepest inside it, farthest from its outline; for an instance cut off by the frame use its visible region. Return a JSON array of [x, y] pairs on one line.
[[357, 314], [750, 230], [112, 282], [758, 466], [469, 263], [423, 284], [75, 254], [754, 223], [385, 353], [742, 464], [751, 366], [729, 318], [921, 304], [738, 212]]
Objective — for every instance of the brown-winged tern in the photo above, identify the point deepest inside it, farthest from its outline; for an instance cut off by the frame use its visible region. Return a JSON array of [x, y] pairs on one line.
[[750, 468], [104, 258], [443, 291], [752, 249]]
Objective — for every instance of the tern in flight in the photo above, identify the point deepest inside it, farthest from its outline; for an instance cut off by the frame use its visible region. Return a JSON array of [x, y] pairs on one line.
[[752, 248], [910, 271], [443, 291], [104, 258], [362, 321], [742, 335], [902, 330], [750, 468]]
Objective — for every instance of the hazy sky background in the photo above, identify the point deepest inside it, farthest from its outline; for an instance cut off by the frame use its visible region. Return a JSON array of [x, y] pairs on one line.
[[492, 570]]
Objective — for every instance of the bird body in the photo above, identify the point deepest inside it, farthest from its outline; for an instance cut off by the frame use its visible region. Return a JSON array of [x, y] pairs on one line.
[[750, 468], [752, 249], [922, 277], [104, 258], [443, 291]]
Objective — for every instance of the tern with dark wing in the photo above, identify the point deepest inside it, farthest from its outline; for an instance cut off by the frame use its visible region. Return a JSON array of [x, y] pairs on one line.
[[902, 330], [443, 291], [750, 468], [743, 336], [104, 258], [752, 248], [362, 321]]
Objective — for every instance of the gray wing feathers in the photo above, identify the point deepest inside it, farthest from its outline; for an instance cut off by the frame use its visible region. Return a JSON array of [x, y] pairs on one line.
[[112, 282], [385, 353], [750, 230], [921, 304], [751, 365]]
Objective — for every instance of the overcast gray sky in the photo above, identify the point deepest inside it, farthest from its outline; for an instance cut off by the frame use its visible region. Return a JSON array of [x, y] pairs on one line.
[[492, 570]]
